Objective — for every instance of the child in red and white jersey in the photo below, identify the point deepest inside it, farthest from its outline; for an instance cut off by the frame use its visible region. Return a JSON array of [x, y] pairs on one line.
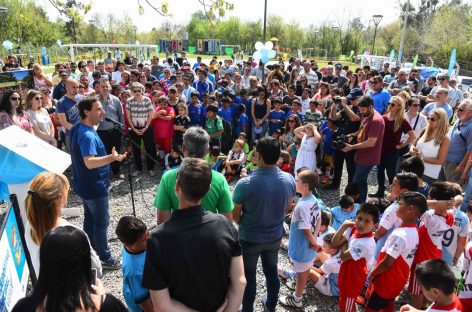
[[466, 293], [396, 256], [434, 223], [438, 283], [356, 243]]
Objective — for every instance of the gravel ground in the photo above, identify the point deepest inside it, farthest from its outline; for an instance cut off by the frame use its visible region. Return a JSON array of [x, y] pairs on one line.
[[144, 193]]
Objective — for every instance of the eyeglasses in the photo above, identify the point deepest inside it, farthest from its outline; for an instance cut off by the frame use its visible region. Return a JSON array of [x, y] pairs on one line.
[[432, 119], [47, 92], [14, 98], [392, 104], [463, 110], [137, 91], [415, 105], [38, 98], [291, 120], [441, 78]]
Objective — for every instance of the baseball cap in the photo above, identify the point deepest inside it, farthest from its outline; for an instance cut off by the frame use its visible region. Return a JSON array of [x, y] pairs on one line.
[[355, 93]]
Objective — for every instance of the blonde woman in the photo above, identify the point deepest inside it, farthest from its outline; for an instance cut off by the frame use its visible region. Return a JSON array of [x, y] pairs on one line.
[[46, 197], [40, 79], [43, 127], [396, 124], [432, 145]]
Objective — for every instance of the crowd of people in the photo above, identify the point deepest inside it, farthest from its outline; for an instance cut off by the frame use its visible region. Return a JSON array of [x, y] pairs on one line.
[[278, 133]]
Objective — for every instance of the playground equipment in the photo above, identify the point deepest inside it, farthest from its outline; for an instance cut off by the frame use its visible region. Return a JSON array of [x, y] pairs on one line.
[[208, 46], [173, 45], [105, 46]]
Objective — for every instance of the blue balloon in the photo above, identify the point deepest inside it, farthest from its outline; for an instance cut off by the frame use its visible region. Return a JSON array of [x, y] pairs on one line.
[[265, 59], [7, 44], [452, 62]]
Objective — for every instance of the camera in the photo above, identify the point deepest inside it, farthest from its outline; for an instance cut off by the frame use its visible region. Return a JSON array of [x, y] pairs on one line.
[[337, 100], [340, 140]]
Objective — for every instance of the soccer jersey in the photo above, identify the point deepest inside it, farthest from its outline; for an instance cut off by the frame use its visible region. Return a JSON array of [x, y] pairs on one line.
[[389, 221], [133, 292], [450, 237], [331, 269], [353, 272], [455, 306], [466, 292], [401, 245], [432, 228], [305, 217]]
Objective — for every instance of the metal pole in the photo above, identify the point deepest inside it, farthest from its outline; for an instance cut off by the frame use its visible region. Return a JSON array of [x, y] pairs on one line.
[[373, 44], [265, 16], [402, 40]]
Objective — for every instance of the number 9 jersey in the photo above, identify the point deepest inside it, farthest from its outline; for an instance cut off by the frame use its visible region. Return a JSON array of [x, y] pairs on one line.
[[460, 228]]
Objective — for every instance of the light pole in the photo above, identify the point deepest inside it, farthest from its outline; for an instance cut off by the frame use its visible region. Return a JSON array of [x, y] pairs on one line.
[[264, 29], [376, 19], [135, 39], [402, 40]]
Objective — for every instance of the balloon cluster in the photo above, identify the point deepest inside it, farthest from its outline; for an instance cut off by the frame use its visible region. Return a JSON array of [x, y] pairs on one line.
[[264, 52], [7, 44]]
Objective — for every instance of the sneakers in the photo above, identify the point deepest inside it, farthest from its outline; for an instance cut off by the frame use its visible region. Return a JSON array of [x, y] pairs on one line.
[[292, 284], [264, 302], [290, 301], [113, 264], [285, 274], [152, 173]]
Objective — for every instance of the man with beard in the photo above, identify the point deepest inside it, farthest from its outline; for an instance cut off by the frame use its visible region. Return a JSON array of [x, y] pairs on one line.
[[369, 146]]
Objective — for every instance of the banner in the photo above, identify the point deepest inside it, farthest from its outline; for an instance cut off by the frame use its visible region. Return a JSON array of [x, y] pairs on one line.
[[18, 79], [14, 270]]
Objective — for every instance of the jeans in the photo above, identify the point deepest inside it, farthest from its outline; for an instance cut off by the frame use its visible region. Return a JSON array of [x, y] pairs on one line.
[[388, 163], [360, 178], [254, 136], [339, 157], [96, 221], [468, 193], [269, 254]]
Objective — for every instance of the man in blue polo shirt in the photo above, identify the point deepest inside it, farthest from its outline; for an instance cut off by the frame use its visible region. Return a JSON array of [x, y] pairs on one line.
[[202, 85], [460, 144], [260, 203], [380, 95], [91, 172]]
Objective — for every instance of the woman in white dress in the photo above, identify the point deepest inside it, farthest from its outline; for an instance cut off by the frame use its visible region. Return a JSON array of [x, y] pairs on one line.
[[306, 156], [432, 145]]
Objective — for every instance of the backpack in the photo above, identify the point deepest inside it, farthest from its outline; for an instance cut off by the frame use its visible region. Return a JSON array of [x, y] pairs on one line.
[[227, 136]]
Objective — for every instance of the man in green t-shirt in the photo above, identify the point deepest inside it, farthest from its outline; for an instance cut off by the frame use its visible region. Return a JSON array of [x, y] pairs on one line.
[[217, 200], [214, 125]]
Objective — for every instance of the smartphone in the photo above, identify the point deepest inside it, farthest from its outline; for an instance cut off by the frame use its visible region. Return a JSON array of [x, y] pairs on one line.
[[94, 276]]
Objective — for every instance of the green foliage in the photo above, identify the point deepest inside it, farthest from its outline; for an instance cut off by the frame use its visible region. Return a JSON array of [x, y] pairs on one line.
[[27, 22]]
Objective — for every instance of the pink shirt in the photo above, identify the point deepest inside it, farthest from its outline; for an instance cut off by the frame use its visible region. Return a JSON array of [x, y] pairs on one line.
[[7, 120]]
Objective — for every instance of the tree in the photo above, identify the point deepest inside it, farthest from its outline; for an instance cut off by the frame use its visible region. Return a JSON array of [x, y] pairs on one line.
[[209, 7], [73, 12]]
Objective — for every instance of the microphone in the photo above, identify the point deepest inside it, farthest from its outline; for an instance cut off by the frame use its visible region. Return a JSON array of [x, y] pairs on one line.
[[113, 121]]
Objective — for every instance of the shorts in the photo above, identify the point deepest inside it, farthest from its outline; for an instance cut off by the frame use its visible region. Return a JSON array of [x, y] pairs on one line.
[[376, 302], [324, 286], [328, 160], [300, 267]]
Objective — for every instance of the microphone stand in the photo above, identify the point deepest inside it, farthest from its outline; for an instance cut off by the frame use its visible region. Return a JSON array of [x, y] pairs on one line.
[[125, 141]]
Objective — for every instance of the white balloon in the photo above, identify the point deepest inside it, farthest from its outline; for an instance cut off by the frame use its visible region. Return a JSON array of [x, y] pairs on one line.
[[269, 45], [259, 45]]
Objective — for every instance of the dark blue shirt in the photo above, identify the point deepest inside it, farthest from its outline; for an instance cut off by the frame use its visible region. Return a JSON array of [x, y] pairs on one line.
[[299, 114], [59, 91], [275, 126], [265, 195], [240, 123], [69, 107], [196, 114], [88, 183], [202, 87], [227, 114]]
